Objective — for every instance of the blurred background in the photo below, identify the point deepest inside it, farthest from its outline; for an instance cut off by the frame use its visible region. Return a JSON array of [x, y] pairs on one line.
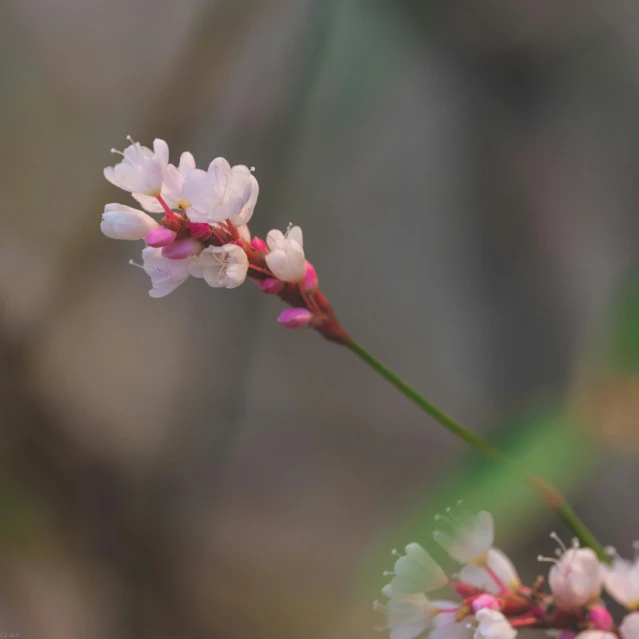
[[465, 172]]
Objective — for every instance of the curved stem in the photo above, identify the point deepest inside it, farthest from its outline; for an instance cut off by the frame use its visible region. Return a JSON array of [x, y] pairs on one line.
[[550, 495]]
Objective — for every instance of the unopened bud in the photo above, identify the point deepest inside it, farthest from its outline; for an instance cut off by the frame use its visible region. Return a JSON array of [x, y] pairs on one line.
[[601, 618], [159, 237], [199, 230], [258, 244], [309, 281], [295, 317], [181, 249], [486, 601], [271, 286]]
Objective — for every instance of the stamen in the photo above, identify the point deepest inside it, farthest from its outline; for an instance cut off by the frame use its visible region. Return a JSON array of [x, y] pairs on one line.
[[396, 552], [555, 536], [132, 263], [252, 169], [548, 560], [388, 573], [117, 152], [130, 139]]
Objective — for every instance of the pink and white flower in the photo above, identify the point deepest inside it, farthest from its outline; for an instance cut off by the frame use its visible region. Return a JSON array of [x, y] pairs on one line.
[[576, 578], [217, 194], [629, 627], [166, 274], [171, 190], [621, 580], [493, 625], [140, 170], [121, 222], [286, 258], [221, 266]]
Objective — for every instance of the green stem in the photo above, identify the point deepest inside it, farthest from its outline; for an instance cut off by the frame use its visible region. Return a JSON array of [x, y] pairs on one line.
[[546, 491]]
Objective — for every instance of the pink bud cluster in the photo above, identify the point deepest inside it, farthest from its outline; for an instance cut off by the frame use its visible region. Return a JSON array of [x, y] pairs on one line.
[[203, 233], [493, 603]]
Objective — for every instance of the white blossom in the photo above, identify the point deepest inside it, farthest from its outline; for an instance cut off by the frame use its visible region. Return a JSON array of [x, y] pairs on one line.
[[217, 194], [408, 616], [120, 222], [493, 625], [621, 581], [246, 213], [221, 266], [470, 539], [286, 258], [629, 627], [166, 274], [140, 170], [576, 578], [417, 571], [602, 634], [494, 568], [171, 190]]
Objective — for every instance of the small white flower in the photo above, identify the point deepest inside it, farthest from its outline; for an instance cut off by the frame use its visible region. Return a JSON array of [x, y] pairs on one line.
[[120, 222], [286, 258], [217, 194], [246, 213], [602, 634], [141, 170], [445, 624], [171, 190], [494, 570], [221, 266], [621, 580], [471, 537], [417, 571], [408, 616], [493, 625], [166, 274], [629, 627], [576, 578]]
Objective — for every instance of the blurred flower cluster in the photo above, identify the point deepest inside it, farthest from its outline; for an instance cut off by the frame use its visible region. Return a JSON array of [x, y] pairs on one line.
[[494, 603], [204, 232]]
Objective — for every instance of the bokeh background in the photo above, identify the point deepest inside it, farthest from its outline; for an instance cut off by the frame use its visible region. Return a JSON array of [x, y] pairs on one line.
[[466, 175]]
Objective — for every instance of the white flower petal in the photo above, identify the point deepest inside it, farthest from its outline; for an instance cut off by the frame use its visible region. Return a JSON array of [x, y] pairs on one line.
[[621, 580], [629, 627], [121, 222]]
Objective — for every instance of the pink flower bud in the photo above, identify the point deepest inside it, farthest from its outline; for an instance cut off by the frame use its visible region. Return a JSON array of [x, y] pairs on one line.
[[180, 249], [258, 244], [159, 237], [309, 281], [295, 317], [486, 601], [271, 286], [199, 230], [601, 618]]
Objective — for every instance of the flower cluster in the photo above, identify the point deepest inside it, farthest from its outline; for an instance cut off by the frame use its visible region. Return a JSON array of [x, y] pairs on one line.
[[203, 233], [494, 603]]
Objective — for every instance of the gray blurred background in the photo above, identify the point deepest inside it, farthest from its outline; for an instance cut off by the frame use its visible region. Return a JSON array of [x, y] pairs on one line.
[[466, 175]]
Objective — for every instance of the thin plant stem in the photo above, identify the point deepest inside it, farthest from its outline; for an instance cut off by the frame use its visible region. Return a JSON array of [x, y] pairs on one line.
[[550, 495]]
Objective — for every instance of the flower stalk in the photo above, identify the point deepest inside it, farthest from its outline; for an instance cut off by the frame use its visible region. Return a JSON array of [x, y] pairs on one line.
[[548, 493]]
